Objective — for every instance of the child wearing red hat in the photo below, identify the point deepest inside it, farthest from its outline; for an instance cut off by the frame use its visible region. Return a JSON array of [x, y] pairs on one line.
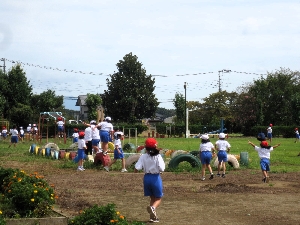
[[264, 151], [269, 133], [152, 164], [297, 135], [80, 152], [75, 135]]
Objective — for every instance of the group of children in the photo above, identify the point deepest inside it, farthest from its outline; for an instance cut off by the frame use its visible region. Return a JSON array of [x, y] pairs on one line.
[[15, 135]]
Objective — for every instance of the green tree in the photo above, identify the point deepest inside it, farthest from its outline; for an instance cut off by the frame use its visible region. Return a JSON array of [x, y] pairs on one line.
[[47, 101], [179, 104], [20, 114], [93, 101], [130, 94]]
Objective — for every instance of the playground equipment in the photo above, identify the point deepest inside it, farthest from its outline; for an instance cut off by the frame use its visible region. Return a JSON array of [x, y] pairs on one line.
[[45, 116]]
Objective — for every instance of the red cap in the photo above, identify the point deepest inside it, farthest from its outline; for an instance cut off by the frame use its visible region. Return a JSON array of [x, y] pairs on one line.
[[264, 144], [81, 134], [59, 118], [271, 124], [4, 127], [75, 129], [296, 128], [150, 143]]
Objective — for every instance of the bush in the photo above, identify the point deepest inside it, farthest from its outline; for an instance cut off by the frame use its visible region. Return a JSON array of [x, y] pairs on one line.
[[25, 195], [101, 215]]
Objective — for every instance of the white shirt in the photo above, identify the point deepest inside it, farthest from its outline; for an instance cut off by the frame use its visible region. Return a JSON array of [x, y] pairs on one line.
[[150, 164], [60, 123], [28, 129], [118, 143], [118, 132], [95, 133], [106, 126], [88, 134], [81, 144], [263, 152], [269, 130], [206, 147], [14, 132], [21, 131], [75, 135], [222, 145], [4, 131]]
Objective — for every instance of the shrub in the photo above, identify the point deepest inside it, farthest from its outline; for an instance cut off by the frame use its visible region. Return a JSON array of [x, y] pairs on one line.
[[101, 215], [25, 195]]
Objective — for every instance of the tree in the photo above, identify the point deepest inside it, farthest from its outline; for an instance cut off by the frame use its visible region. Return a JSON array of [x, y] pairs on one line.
[[47, 101], [20, 114], [130, 94], [179, 104], [93, 101]]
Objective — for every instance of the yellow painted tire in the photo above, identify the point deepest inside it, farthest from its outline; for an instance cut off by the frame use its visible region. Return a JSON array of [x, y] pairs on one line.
[[111, 146], [67, 155]]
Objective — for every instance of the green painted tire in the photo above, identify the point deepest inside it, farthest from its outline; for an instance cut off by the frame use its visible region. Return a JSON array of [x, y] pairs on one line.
[[193, 160], [195, 153], [129, 147]]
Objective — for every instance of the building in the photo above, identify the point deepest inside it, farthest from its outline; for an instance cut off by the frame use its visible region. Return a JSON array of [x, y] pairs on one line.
[[83, 112]]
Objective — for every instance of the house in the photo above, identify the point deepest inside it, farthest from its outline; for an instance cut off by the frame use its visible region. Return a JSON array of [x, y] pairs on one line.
[[83, 113]]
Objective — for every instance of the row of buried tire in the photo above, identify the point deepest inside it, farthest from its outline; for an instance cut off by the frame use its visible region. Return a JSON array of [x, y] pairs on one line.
[[51, 150]]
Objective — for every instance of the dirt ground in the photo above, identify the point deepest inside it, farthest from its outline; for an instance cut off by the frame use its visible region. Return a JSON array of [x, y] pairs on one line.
[[240, 198]]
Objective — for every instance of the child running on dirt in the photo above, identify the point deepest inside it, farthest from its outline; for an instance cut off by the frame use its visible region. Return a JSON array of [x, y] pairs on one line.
[[206, 151], [264, 154], [153, 164], [223, 147], [80, 152], [118, 154]]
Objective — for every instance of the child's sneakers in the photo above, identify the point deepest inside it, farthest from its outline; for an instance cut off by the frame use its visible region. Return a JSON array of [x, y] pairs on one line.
[[223, 175], [123, 170], [267, 180], [211, 176], [202, 178], [80, 169], [106, 168], [218, 175], [152, 212], [104, 153]]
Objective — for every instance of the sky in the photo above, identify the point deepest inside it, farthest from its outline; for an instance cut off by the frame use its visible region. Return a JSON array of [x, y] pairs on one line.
[[72, 46]]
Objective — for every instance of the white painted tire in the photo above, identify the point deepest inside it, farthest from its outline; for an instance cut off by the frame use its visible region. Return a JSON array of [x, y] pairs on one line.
[[132, 159], [178, 152], [52, 146], [231, 158]]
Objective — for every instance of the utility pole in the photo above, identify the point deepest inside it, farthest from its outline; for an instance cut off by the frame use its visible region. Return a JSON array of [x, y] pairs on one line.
[[185, 123], [3, 59]]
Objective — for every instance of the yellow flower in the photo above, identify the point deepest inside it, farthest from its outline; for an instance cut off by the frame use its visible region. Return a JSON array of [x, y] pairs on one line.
[[35, 191], [118, 213], [0, 212], [19, 179], [32, 199]]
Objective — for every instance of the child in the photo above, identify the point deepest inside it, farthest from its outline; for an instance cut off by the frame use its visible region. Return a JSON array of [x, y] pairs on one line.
[[106, 130], [14, 136], [75, 135], [28, 129], [80, 152], [269, 133], [4, 132], [34, 131], [118, 154], [206, 151], [153, 164], [297, 135], [88, 141], [264, 154], [21, 134], [222, 146], [60, 127]]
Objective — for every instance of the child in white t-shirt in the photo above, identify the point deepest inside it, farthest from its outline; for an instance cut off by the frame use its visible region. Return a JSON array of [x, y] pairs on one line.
[[80, 152], [75, 135]]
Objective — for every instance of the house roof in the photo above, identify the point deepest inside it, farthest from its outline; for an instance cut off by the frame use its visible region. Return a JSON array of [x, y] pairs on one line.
[[81, 100]]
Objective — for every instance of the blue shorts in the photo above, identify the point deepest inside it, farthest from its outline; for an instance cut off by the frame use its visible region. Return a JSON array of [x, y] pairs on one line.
[[60, 128], [4, 135], [80, 154], [14, 139], [95, 142], [153, 185], [297, 136], [222, 156], [205, 157], [265, 164], [118, 155], [104, 136], [75, 140], [269, 135], [21, 135]]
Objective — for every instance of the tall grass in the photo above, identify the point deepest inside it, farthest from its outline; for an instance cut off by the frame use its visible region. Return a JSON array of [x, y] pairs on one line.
[[283, 159]]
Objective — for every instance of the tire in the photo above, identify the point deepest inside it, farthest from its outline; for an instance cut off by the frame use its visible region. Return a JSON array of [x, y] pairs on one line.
[[178, 152], [195, 153], [74, 146], [129, 147], [232, 161], [52, 146], [131, 160], [111, 146], [193, 160]]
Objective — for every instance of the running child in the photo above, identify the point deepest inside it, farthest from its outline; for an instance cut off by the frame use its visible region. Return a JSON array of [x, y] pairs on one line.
[[80, 152], [264, 153], [269, 133], [152, 164], [297, 135], [118, 154], [223, 147], [22, 134], [206, 150]]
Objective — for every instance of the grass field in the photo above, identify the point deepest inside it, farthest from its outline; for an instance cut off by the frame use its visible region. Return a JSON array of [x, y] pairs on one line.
[[283, 159]]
